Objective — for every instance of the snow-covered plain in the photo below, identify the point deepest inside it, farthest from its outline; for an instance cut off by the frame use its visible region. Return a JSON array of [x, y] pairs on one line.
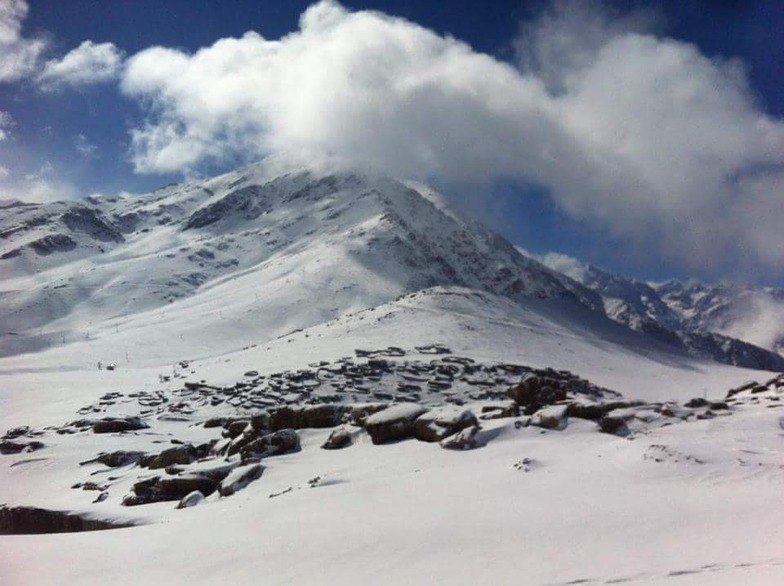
[[680, 500]]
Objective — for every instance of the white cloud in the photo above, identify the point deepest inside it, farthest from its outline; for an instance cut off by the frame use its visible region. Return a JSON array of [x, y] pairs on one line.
[[89, 63], [4, 172], [38, 190], [644, 136], [18, 55]]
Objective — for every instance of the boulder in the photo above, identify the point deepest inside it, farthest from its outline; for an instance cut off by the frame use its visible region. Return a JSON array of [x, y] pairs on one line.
[[280, 442], [239, 478], [118, 424], [614, 423], [552, 417], [215, 422], [191, 499], [463, 440], [173, 488], [260, 421], [214, 469], [17, 432], [182, 454], [313, 416], [236, 427], [437, 424], [118, 458], [177, 487], [500, 410], [9, 447], [696, 402], [536, 391], [393, 423], [338, 439], [358, 414]]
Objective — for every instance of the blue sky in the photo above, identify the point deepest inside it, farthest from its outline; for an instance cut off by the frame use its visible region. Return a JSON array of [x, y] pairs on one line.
[[646, 137]]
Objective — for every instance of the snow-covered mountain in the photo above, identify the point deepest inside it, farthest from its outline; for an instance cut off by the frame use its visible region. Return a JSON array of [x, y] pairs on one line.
[[266, 331], [736, 324], [279, 252]]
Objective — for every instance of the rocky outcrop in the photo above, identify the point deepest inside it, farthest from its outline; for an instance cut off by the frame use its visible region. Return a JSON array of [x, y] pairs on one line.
[[16, 447], [117, 458], [118, 424], [172, 488], [182, 454], [32, 520], [308, 416]]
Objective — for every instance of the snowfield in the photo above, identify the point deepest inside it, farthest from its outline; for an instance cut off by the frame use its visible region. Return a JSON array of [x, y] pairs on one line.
[[253, 319]]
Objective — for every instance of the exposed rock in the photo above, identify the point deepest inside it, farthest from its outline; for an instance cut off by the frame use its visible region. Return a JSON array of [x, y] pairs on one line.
[[236, 427], [338, 439], [500, 410], [118, 424], [462, 440], [31, 520], [260, 421], [394, 423], [553, 417], [180, 486], [9, 447], [215, 422], [696, 402], [17, 432], [169, 489], [182, 454], [239, 478], [614, 423], [535, 392], [358, 414], [437, 424], [118, 458], [93, 223], [313, 416], [215, 470], [53, 243]]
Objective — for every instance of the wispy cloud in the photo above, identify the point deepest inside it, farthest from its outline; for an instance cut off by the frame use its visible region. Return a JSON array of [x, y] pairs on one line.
[[85, 148], [87, 64], [6, 122], [38, 190]]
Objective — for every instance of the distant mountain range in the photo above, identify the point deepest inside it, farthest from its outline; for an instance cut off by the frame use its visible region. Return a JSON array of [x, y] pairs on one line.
[[727, 322]]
